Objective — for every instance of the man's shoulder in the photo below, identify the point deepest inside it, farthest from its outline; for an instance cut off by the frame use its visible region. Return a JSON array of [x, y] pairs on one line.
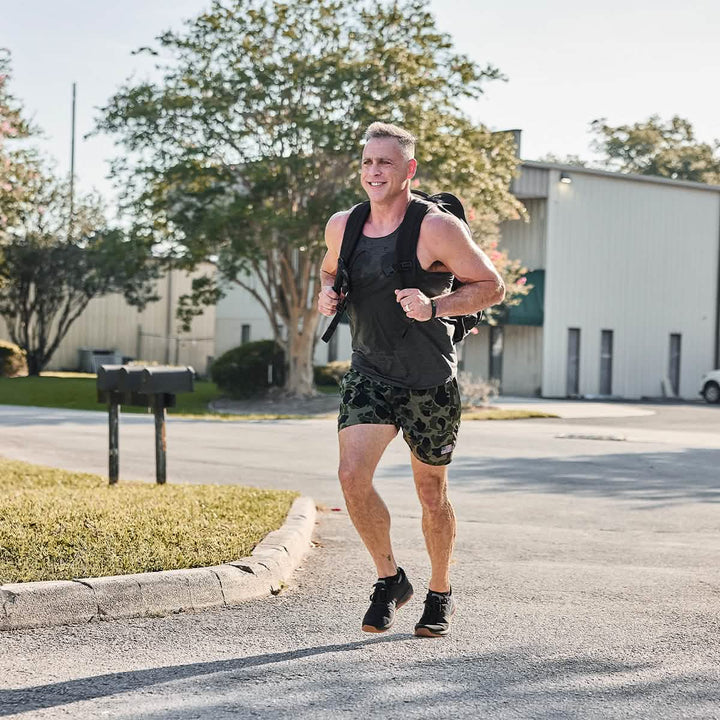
[[440, 225], [437, 218], [337, 222], [339, 218], [335, 228]]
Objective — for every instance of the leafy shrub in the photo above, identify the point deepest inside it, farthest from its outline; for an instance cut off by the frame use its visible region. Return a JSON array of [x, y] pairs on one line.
[[12, 360], [474, 391], [332, 373], [243, 371]]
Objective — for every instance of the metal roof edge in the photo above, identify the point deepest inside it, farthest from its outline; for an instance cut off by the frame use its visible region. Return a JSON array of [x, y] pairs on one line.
[[624, 176]]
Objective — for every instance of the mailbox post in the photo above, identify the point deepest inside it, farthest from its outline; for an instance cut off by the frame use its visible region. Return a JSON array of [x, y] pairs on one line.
[[162, 384], [108, 379], [154, 388]]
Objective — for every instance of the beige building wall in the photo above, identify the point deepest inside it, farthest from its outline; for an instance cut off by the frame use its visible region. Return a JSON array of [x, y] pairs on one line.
[[153, 335], [474, 354], [638, 258], [521, 363], [526, 241], [240, 308], [522, 360]]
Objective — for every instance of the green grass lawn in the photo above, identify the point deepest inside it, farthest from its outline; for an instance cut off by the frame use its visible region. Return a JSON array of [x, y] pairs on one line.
[[499, 414], [78, 392], [58, 525]]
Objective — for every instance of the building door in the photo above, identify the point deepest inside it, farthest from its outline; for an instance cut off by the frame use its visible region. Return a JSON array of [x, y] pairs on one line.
[[606, 354], [496, 354], [573, 362], [674, 367]]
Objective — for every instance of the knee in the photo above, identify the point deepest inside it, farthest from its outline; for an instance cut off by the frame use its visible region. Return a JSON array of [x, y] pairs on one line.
[[433, 497], [353, 483]]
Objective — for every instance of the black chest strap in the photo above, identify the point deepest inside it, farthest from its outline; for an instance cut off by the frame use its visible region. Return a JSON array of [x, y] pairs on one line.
[[353, 229], [407, 240]]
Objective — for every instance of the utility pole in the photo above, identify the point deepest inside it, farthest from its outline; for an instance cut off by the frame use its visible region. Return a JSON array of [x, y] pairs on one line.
[[72, 165]]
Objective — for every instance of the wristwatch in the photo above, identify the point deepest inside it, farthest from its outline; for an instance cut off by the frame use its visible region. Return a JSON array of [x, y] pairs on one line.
[[433, 305]]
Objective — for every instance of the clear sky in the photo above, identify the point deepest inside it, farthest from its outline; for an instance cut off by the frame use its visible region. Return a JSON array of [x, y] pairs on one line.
[[567, 62]]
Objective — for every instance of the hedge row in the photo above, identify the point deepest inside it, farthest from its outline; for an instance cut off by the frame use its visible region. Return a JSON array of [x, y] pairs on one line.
[[12, 360], [251, 369]]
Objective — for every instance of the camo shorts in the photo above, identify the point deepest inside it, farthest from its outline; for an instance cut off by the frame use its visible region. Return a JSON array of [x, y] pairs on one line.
[[428, 418]]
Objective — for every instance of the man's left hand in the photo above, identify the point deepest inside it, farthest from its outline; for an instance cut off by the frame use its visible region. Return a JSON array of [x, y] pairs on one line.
[[415, 304]]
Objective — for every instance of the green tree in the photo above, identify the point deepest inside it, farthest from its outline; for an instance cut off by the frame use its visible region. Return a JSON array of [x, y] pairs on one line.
[[52, 265], [19, 167], [574, 160], [250, 141], [653, 147], [48, 274]]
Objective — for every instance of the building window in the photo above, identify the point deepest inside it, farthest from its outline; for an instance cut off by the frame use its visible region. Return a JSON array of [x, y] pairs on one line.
[[496, 354], [674, 367], [573, 363], [244, 334], [606, 355]]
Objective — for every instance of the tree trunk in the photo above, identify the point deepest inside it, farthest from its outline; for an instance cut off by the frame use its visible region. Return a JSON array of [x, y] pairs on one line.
[[34, 365], [300, 357]]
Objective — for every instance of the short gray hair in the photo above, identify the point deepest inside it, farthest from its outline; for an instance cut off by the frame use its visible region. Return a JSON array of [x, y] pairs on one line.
[[385, 130]]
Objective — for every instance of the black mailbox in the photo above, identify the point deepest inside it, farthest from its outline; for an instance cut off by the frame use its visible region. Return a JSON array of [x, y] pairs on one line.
[[154, 387], [121, 384], [167, 380], [108, 383], [130, 380], [108, 377]]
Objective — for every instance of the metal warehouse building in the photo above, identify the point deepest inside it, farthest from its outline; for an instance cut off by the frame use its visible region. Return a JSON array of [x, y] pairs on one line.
[[626, 291], [625, 301]]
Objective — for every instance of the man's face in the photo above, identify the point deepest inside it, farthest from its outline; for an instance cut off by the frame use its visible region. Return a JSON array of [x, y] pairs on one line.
[[385, 170]]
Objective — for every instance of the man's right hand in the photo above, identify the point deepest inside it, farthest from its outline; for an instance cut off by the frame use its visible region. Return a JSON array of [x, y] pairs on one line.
[[327, 301]]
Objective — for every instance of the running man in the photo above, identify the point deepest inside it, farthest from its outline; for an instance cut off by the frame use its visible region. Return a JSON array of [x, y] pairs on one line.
[[402, 374]]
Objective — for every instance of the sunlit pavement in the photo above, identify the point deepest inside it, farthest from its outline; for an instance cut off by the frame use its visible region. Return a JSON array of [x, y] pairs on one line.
[[585, 573]]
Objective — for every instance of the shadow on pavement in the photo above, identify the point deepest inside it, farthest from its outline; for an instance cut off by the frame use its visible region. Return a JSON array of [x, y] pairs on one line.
[[514, 684], [18, 416], [665, 478], [62, 693]]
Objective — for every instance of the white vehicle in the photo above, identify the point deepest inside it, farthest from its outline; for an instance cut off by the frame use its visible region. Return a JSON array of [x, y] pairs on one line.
[[710, 386]]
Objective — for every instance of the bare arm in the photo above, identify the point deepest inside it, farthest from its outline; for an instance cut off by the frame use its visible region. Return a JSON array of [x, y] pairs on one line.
[[328, 298], [445, 244]]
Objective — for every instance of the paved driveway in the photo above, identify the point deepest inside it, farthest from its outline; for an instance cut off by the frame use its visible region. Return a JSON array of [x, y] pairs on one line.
[[586, 573]]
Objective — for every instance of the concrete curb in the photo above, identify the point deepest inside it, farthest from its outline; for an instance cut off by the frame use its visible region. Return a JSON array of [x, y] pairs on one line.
[[62, 602]]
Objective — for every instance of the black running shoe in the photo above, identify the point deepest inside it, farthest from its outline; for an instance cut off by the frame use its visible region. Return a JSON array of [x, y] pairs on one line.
[[385, 599], [435, 621]]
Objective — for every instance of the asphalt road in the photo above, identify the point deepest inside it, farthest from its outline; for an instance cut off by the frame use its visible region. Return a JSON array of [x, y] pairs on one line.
[[586, 573]]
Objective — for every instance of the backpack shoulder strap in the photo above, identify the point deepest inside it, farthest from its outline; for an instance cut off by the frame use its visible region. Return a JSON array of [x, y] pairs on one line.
[[406, 244], [353, 229]]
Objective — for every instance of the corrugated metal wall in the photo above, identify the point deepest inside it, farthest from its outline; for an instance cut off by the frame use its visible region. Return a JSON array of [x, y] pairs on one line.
[[531, 183], [640, 259], [527, 240], [152, 335], [522, 360], [475, 353]]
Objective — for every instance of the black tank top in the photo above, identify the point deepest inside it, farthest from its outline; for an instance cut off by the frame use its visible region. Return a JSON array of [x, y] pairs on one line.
[[387, 345]]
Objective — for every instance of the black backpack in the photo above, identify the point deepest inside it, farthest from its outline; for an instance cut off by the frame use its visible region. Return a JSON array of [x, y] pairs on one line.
[[405, 254]]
